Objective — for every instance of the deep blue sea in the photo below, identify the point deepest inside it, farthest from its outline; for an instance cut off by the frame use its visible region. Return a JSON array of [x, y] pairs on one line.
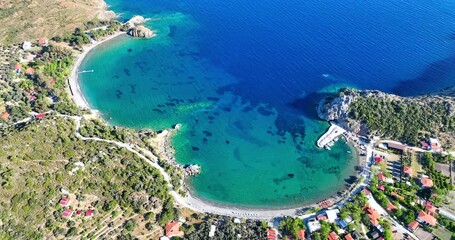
[[244, 77]]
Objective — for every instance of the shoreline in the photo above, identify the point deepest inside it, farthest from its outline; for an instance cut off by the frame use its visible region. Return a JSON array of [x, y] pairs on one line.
[[73, 80], [190, 201]]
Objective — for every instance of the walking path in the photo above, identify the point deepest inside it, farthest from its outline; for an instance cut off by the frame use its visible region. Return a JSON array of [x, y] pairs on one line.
[[332, 133]]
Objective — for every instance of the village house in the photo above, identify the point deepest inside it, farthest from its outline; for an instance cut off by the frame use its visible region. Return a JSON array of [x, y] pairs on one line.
[[65, 202], [272, 234], [333, 236], [435, 145], [26, 45], [426, 218], [426, 182], [30, 71], [430, 208], [412, 226], [407, 171], [313, 225], [43, 41], [301, 234], [68, 213], [18, 68], [332, 215], [173, 229], [89, 213], [372, 214], [348, 237], [5, 115]]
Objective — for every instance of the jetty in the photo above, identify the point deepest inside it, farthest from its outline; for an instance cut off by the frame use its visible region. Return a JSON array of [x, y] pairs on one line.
[[330, 137]]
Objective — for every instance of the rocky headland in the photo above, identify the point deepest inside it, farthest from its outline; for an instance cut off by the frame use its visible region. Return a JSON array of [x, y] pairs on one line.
[[407, 119], [136, 28]]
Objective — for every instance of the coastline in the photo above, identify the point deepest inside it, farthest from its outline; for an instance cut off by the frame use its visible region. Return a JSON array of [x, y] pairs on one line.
[[190, 201], [73, 80]]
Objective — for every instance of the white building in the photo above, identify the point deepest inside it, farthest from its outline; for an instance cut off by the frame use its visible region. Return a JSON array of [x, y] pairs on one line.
[[332, 215], [212, 230], [26, 45], [313, 225]]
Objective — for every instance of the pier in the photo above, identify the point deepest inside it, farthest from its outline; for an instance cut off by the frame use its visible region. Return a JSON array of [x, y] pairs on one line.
[[329, 137]]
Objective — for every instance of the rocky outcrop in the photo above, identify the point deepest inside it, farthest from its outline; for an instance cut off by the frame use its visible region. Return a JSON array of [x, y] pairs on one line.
[[136, 28], [337, 107], [141, 32]]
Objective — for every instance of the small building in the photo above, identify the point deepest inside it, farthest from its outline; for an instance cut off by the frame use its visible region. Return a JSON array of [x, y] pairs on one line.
[[17, 68], [430, 208], [212, 230], [381, 177], [333, 236], [89, 213], [43, 41], [78, 212], [30, 71], [301, 234], [68, 213], [5, 115], [381, 187], [396, 145], [164, 238], [313, 225], [412, 226], [372, 214], [26, 45], [435, 145], [348, 237], [425, 146], [426, 218], [40, 116], [391, 207], [332, 215], [173, 229], [321, 217], [407, 171], [378, 159], [65, 202], [426, 182], [272, 234], [366, 191]]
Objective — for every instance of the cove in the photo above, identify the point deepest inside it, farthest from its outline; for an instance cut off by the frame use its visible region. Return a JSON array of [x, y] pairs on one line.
[[243, 78]]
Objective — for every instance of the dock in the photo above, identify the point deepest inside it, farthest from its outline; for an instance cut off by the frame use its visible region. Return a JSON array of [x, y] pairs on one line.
[[330, 137]]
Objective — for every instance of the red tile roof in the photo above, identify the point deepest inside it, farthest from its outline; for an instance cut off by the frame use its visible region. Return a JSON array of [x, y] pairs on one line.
[[431, 209], [78, 212], [301, 234], [67, 213], [407, 170], [18, 66], [42, 41], [321, 217], [381, 187], [425, 144], [333, 236], [391, 207], [39, 116], [372, 214], [426, 182], [366, 191], [5, 115], [348, 237], [381, 177], [30, 71], [413, 225], [173, 229], [427, 218], [378, 159], [65, 201], [89, 213], [271, 234]]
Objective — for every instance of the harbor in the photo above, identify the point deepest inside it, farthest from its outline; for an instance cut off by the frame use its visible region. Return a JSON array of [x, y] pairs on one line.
[[330, 136]]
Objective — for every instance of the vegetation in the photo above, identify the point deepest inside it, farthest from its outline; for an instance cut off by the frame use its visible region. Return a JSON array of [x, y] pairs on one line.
[[404, 120], [292, 226]]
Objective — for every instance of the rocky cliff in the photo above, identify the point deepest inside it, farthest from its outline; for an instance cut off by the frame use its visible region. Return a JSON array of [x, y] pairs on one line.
[[375, 112]]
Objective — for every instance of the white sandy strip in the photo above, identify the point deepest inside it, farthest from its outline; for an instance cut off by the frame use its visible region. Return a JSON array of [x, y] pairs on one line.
[[73, 80]]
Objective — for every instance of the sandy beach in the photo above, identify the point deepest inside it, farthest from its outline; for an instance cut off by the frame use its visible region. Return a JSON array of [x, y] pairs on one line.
[[73, 79]]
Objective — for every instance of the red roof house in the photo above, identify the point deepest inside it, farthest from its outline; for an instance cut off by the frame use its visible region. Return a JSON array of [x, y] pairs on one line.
[[78, 212], [17, 68], [89, 213], [391, 207], [173, 229], [381, 177], [381, 187], [431, 209], [30, 71], [333, 236], [301, 234], [65, 202], [413, 225], [5, 115], [423, 217], [39, 116], [426, 182], [43, 41], [67, 213], [321, 217], [407, 171], [378, 159], [348, 237], [366, 191], [372, 214], [271, 234]]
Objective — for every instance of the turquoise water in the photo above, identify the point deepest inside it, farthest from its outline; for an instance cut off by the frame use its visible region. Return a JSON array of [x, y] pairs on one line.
[[243, 78]]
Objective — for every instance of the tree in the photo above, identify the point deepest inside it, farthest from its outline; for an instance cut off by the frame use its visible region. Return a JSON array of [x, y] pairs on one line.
[[129, 225]]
